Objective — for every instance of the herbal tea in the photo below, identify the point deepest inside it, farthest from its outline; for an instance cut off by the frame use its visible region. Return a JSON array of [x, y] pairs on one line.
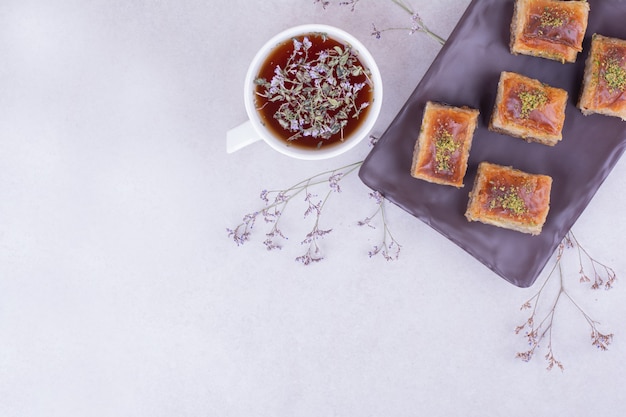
[[312, 91]]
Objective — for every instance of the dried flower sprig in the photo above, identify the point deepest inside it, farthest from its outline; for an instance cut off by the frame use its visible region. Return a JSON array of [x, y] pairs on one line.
[[314, 253], [417, 23], [276, 202], [351, 3], [389, 248], [324, 3], [537, 331], [603, 275]]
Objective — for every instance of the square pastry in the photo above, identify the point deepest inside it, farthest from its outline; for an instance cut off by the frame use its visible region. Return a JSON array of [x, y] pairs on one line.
[[442, 148], [528, 109], [509, 198], [549, 28], [604, 83]]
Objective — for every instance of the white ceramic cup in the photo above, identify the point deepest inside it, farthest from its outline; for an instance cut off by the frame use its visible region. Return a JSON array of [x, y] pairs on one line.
[[254, 130]]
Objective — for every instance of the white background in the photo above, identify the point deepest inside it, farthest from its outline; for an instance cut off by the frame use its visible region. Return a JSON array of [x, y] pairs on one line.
[[121, 293]]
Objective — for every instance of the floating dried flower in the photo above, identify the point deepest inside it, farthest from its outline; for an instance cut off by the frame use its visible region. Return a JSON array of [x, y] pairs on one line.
[[312, 90]]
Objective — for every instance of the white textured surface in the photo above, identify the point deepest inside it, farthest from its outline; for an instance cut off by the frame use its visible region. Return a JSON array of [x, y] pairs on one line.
[[121, 294]]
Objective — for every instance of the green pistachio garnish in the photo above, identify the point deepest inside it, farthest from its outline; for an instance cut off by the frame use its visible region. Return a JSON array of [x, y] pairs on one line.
[[445, 146], [509, 200], [551, 19], [614, 75], [532, 100]]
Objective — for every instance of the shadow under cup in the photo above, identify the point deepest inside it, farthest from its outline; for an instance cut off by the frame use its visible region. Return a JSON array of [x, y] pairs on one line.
[[280, 47]]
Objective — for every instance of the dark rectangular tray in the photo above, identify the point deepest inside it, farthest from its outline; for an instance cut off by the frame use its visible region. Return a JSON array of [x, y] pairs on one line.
[[466, 72]]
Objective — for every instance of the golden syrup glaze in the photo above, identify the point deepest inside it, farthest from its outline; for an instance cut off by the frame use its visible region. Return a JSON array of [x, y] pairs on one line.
[[609, 95], [513, 195], [555, 27], [446, 132], [546, 118]]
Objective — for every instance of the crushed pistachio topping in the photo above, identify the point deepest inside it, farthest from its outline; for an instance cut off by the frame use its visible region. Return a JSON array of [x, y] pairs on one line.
[[614, 75], [445, 146], [532, 100], [551, 18], [509, 199]]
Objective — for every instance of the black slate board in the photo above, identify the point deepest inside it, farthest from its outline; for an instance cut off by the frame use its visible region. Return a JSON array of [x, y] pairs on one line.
[[466, 72]]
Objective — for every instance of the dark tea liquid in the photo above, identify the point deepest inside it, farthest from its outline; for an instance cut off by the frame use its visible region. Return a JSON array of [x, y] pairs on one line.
[[267, 109]]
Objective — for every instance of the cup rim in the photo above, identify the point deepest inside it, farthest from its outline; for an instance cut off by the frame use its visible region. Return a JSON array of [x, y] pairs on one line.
[[366, 59]]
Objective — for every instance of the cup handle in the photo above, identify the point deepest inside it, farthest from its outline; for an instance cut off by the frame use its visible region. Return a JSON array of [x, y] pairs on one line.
[[241, 136]]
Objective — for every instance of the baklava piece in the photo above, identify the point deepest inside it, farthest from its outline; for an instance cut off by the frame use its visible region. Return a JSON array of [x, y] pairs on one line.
[[509, 198], [604, 84], [442, 148], [528, 109], [549, 28]]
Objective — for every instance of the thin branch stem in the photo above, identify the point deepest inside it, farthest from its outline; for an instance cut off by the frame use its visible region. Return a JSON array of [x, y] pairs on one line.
[[537, 332]]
